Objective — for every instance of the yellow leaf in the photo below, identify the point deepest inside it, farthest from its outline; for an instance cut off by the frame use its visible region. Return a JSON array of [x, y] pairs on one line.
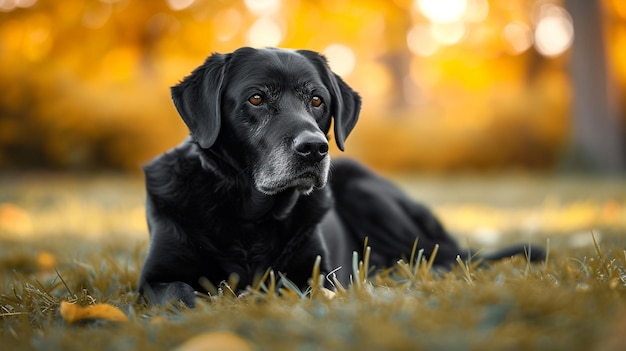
[[216, 341], [15, 220], [73, 313], [46, 261]]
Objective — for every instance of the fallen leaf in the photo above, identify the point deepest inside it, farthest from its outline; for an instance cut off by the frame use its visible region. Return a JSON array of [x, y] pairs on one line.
[[46, 261], [15, 220], [73, 313], [216, 341]]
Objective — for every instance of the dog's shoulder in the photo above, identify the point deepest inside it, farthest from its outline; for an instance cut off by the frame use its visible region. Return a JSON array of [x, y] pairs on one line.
[[345, 170], [174, 170]]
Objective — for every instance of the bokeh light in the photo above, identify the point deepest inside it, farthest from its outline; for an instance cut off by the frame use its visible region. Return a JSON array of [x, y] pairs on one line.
[[37, 42], [10, 5], [263, 7], [442, 11], [264, 32], [448, 33], [227, 24], [518, 37], [341, 59], [96, 15], [476, 11], [554, 33], [420, 41], [179, 5]]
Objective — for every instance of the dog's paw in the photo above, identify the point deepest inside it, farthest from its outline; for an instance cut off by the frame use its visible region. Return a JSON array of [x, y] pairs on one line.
[[164, 293], [179, 291]]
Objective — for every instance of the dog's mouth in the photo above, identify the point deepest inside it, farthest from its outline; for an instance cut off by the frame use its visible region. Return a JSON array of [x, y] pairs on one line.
[[305, 182], [280, 170], [307, 175]]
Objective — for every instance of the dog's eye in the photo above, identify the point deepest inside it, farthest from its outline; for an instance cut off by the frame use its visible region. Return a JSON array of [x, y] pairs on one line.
[[316, 101], [255, 99]]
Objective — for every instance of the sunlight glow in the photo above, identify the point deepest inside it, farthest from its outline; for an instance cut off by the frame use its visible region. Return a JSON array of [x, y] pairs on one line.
[[341, 59], [265, 32], [227, 24], [448, 33], [178, 5], [263, 7], [38, 41], [96, 15], [518, 37], [442, 11], [421, 42], [477, 11], [620, 8], [376, 80], [554, 33], [10, 5]]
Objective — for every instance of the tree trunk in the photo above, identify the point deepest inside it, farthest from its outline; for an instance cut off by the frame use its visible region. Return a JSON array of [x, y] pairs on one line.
[[597, 135]]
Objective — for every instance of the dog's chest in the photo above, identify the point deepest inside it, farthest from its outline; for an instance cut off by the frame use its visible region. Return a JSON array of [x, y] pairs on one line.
[[251, 252]]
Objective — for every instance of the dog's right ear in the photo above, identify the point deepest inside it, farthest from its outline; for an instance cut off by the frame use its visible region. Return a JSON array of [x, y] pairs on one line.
[[198, 99]]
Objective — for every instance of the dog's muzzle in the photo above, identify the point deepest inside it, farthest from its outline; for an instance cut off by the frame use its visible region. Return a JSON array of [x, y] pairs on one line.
[[302, 164]]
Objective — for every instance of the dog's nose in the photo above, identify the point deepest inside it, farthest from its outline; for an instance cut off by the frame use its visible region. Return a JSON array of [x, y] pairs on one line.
[[311, 146]]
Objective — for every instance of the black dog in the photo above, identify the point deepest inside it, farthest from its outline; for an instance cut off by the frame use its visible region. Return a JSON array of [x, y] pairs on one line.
[[253, 188]]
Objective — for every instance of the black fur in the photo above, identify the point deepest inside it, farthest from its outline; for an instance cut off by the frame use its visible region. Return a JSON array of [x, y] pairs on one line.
[[248, 190]]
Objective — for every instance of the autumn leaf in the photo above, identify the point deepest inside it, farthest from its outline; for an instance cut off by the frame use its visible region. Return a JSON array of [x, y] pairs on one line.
[[73, 313], [214, 341], [46, 261]]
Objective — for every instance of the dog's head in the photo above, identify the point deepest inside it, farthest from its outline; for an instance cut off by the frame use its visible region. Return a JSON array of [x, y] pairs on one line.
[[269, 110]]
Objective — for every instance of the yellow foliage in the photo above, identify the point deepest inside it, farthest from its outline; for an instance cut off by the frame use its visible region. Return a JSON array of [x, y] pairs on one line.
[[88, 81]]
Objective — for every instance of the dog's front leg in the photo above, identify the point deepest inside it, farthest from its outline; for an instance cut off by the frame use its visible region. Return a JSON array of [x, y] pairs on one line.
[[169, 266], [163, 293]]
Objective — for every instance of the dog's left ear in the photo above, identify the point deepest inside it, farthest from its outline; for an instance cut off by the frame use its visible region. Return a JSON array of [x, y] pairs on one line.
[[346, 103], [198, 99]]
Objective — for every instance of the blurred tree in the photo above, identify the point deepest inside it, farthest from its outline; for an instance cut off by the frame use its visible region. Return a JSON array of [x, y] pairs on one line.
[[85, 82], [597, 135]]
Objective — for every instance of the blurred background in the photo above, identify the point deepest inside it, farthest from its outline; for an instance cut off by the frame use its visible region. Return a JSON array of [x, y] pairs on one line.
[[491, 90], [448, 85]]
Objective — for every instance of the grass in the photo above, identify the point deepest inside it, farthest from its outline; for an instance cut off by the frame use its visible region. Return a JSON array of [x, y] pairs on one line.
[[574, 300]]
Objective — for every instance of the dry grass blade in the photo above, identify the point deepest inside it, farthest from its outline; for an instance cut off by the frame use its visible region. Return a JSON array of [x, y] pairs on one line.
[[412, 262], [355, 269], [431, 259], [316, 283], [466, 270], [604, 262], [546, 261], [316, 277], [364, 265], [271, 289], [291, 288], [69, 291]]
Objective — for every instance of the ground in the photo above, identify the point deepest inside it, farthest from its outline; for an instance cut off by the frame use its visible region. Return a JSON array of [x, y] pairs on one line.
[[68, 242]]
